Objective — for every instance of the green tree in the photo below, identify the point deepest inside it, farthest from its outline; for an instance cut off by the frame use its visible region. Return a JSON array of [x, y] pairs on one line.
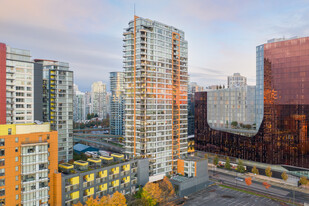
[[268, 172], [216, 160], [227, 164], [234, 123], [240, 166], [284, 176], [255, 170], [303, 180]]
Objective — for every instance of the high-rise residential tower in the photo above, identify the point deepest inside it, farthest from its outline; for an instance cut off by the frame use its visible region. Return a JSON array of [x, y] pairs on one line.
[[21, 89], [98, 99], [79, 105], [58, 103], [156, 83], [282, 111], [117, 103], [88, 107], [236, 80]]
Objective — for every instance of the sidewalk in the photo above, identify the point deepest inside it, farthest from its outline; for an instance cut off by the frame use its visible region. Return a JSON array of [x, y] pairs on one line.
[[261, 178]]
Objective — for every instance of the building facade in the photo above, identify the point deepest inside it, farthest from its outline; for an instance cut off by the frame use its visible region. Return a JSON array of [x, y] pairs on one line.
[[88, 107], [103, 180], [282, 111], [156, 82], [18, 86], [236, 80], [79, 113], [58, 104], [232, 109], [29, 165], [117, 103], [98, 99], [192, 88]]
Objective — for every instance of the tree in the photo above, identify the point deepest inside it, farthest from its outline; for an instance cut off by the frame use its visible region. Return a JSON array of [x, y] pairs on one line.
[[92, 202], [268, 172], [96, 115], [255, 170], [216, 160], [104, 201], [167, 189], [248, 181], [303, 180], [117, 199], [284, 176], [240, 166], [152, 194], [227, 164], [234, 123]]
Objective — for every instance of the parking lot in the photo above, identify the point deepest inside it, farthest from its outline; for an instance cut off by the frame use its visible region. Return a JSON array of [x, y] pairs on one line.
[[219, 196]]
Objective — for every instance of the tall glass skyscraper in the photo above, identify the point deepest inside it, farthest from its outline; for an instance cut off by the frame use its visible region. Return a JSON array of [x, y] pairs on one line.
[[282, 111], [156, 80], [117, 103]]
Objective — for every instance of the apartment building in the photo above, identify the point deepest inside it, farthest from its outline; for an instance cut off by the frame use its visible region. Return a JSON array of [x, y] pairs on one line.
[[58, 103], [98, 99], [79, 105], [117, 103], [236, 80], [156, 81], [28, 165], [20, 89], [101, 176]]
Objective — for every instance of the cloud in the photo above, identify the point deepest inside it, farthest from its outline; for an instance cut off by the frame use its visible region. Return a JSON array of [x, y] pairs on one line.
[[222, 35]]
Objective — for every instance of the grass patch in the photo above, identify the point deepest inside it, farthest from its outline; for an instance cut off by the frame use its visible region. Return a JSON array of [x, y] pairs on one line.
[[257, 194]]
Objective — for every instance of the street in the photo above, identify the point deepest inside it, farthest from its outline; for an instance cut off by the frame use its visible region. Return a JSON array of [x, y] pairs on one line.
[[259, 187]]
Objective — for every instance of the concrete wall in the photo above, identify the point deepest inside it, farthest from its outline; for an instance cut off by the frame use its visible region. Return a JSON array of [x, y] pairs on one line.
[[32, 128], [143, 171]]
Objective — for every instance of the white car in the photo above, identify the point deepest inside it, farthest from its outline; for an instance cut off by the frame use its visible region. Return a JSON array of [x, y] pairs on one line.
[[239, 179]]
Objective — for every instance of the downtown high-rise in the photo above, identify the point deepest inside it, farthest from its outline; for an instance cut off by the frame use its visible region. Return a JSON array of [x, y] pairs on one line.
[[58, 104], [279, 133], [21, 86], [98, 99], [117, 103], [156, 79]]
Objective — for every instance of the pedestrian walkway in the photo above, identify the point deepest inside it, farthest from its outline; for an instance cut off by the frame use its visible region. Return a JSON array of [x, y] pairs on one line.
[[261, 178]]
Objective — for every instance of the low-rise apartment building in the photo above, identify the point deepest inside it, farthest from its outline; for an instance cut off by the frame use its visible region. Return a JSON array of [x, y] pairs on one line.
[[95, 177]]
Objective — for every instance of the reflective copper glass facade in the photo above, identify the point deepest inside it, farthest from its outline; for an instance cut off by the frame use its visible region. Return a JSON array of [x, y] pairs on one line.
[[282, 101]]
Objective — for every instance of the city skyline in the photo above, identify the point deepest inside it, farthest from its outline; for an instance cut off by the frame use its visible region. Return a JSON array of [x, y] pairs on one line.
[[94, 44]]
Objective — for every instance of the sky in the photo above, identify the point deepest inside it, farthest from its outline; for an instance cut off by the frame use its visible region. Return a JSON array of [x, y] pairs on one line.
[[221, 34]]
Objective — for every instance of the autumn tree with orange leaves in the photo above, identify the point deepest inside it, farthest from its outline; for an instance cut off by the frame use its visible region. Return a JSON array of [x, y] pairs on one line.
[[117, 199], [248, 181], [151, 194], [167, 189]]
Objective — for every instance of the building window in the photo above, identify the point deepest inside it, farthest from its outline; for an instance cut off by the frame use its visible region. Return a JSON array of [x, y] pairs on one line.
[[16, 187], [1, 142], [16, 168], [16, 177], [16, 197], [16, 159], [2, 182], [2, 162], [2, 192], [16, 149], [16, 139], [9, 131], [2, 152], [2, 172]]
